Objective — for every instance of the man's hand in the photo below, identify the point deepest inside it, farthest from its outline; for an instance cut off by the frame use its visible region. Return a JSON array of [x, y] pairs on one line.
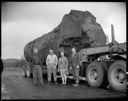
[[78, 66], [70, 67]]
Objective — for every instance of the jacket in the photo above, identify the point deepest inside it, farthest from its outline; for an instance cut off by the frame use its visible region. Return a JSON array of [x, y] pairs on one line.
[[36, 60], [74, 60], [52, 59]]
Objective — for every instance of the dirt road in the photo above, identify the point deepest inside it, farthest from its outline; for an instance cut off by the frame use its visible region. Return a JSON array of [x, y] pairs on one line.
[[15, 86]]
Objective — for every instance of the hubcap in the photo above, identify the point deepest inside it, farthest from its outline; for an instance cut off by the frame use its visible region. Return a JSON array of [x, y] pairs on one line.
[[118, 76], [93, 75], [121, 76]]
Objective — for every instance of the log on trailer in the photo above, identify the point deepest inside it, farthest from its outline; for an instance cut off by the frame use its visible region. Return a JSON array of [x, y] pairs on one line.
[[77, 29]]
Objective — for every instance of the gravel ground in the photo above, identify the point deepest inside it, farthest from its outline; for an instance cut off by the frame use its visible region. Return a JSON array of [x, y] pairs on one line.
[[15, 86]]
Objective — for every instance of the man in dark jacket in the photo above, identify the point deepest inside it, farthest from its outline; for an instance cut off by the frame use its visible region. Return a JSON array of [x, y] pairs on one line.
[[75, 66], [37, 71]]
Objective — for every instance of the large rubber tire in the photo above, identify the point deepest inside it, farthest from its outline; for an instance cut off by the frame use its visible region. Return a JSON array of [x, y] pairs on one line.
[[105, 68], [116, 68], [95, 74]]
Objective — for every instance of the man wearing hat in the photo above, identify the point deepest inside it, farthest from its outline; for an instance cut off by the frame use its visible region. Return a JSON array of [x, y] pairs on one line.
[[37, 71]]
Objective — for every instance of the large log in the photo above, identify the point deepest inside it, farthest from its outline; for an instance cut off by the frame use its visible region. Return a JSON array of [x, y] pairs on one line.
[[77, 29]]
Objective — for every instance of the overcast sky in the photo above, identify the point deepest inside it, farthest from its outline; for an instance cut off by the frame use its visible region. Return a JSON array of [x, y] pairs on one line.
[[25, 21]]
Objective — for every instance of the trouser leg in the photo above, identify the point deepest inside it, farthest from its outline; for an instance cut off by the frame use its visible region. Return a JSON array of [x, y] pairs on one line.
[[65, 77], [31, 70], [62, 80], [62, 76], [74, 76], [49, 74], [40, 76], [77, 74], [54, 74], [24, 70], [28, 70], [35, 75]]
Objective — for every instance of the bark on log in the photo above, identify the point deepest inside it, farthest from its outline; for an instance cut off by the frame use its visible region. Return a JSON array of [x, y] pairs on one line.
[[77, 29]]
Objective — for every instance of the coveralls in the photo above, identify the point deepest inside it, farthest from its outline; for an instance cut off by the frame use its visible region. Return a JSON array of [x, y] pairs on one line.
[[74, 63], [37, 71]]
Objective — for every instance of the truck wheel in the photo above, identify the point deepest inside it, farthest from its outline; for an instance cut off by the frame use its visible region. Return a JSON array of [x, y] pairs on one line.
[[117, 75], [95, 74], [105, 68]]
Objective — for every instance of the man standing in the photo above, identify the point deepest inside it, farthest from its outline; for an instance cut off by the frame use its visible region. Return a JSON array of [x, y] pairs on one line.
[[75, 66], [37, 71], [23, 63], [51, 63]]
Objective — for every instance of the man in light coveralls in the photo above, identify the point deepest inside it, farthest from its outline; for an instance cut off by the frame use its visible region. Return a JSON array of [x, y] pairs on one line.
[[51, 63]]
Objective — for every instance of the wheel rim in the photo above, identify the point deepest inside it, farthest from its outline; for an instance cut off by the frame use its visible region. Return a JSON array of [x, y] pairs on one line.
[[118, 76], [93, 75]]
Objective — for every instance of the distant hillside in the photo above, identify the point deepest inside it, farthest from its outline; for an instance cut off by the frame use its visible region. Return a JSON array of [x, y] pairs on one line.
[[11, 62]]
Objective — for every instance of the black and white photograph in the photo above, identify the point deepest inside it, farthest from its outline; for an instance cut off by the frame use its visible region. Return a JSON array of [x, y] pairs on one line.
[[63, 50]]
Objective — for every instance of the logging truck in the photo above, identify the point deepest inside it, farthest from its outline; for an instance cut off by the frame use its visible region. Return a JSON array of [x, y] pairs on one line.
[[105, 65]]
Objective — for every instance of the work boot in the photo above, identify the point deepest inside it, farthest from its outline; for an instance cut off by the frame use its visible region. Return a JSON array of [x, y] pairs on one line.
[[63, 83], [49, 82], [56, 82], [76, 84]]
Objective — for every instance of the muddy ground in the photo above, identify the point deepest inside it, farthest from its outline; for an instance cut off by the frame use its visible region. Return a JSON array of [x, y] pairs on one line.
[[15, 86]]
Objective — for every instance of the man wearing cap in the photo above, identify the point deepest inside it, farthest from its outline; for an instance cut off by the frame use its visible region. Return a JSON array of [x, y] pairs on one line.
[[37, 71], [51, 63], [74, 64]]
